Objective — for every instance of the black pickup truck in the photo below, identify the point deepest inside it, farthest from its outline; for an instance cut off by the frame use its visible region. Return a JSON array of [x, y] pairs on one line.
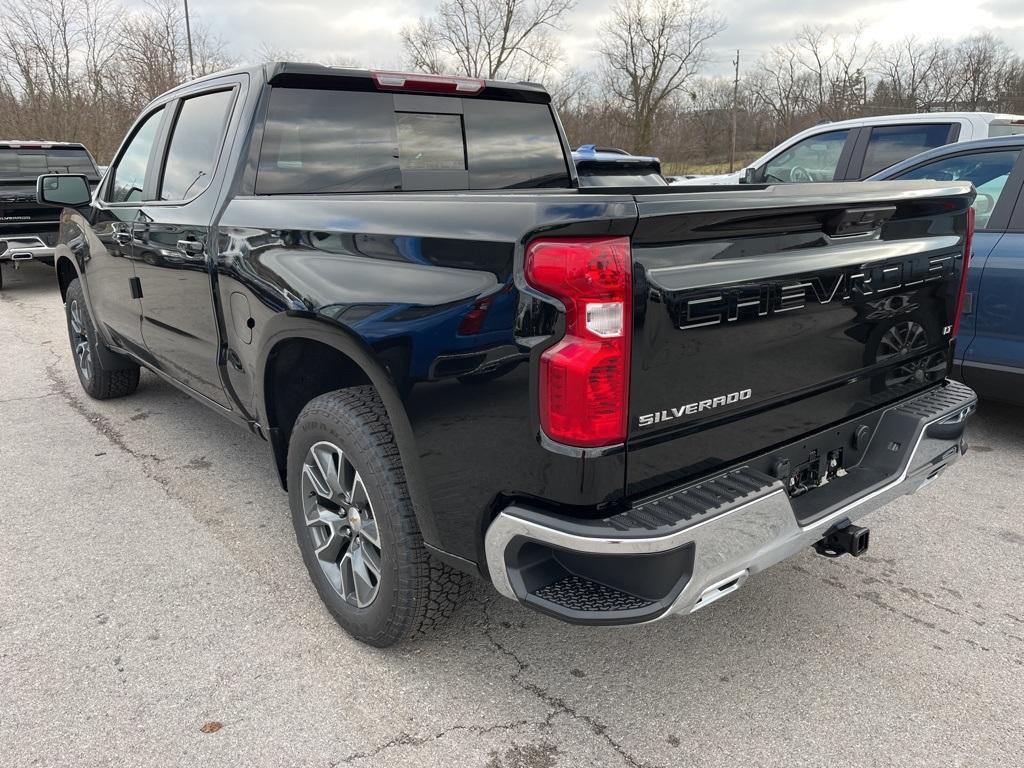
[[28, 230], [616, 404]]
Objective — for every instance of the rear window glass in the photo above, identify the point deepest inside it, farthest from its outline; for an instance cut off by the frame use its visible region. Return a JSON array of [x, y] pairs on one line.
[[318, 141], [428, 142], [622, 180], [24, 163], [888, 146]]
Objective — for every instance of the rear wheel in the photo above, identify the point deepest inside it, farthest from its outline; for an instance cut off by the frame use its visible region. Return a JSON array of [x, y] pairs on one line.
[[355, 523], [98, 382]]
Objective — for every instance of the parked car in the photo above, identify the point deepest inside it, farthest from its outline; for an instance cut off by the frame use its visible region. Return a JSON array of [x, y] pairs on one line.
[[29, 230], [610, 167], [674, 390], [990, 348], [850, 150]]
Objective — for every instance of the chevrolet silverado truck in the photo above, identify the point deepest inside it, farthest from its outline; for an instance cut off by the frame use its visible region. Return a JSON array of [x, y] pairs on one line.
[[28, 230], [616, 404]]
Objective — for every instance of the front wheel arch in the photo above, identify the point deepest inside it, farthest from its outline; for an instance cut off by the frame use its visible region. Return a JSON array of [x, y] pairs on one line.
[[66, 273]]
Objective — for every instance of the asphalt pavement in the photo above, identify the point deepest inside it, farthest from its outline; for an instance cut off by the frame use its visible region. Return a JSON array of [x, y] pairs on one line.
[[154, 611]]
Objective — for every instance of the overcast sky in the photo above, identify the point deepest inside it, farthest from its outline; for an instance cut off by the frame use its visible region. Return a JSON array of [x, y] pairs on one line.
[[368, 33]]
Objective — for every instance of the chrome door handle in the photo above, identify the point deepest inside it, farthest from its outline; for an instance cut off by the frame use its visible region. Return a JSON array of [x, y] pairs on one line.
[[190, 247]]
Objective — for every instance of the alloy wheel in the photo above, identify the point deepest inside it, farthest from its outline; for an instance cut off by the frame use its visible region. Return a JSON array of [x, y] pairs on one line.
[[341, 523], [905, 340], [80, 341]]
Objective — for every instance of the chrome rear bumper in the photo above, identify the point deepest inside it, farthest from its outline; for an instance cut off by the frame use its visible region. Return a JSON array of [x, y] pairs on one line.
[[24, 248], [710, 554]]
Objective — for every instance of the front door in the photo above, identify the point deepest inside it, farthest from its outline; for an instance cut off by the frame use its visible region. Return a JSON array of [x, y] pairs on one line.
[[110, 272], [172, 246]]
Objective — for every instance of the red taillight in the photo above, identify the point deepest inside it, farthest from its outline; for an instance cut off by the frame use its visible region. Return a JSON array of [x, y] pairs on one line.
[[968, 238], [473, 321], [405, 81], [584, 378]]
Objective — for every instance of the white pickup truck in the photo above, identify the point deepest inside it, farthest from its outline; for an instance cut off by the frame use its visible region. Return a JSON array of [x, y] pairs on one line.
[[853, 150]]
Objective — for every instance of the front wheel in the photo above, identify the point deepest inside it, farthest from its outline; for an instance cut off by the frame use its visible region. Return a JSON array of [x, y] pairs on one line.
[[355, 523], [98, 382]]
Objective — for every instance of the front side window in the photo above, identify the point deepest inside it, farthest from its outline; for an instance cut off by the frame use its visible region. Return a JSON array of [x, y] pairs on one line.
[[988, 171], [813, 159], [130, 173], [195, 144], [319, 141], [892, 144]]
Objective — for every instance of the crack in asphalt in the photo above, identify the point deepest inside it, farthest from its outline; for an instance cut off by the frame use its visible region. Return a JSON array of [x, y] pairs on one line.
[[558, 705], [102, 424], [876, 598], [28, 397], [408, 740]]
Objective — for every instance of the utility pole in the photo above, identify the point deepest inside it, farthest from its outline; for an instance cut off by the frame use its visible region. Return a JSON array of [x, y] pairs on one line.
[[735, 108], [188, 34]]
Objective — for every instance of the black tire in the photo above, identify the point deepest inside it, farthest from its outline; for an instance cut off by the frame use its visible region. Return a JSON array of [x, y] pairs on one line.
[[414, 590], [97, 381]]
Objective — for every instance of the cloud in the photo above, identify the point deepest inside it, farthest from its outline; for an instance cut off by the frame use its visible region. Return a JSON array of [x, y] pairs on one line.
[[369, 33]]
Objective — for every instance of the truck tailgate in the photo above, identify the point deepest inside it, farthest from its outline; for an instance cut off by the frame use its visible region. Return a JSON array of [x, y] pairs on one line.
[[763, 315]]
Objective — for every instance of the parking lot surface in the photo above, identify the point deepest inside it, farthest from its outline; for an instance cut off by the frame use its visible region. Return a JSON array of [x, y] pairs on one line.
[[154, 610]]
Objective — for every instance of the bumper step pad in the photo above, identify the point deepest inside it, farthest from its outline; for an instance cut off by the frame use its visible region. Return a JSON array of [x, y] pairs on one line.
[[695, 503], [578, 594]]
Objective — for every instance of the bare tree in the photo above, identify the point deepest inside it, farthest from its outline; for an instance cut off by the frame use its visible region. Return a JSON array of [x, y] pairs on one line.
[[80, 70], [651, 49], [906, 74], [780, 86], [488, 38], [837, 66]]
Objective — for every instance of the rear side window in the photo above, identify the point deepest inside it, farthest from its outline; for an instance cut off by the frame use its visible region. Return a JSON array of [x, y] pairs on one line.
[[988, 171], [130, 173], [891, 144], [195, 144], [28, 163], [1006, 128], [318, 141]]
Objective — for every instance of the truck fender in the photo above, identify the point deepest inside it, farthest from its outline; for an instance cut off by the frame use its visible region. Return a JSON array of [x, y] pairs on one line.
[[307, 325]]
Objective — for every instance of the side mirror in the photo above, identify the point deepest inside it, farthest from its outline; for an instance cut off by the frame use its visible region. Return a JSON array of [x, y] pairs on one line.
[[749, 175], [63, 190]]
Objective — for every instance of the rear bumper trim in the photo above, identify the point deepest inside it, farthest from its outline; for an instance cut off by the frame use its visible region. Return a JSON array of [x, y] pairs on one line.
[[746, 535], [24, 248]]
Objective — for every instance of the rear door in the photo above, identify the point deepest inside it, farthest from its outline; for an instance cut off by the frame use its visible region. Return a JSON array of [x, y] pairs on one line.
[[761, 316], [172, 242], [881, 146]]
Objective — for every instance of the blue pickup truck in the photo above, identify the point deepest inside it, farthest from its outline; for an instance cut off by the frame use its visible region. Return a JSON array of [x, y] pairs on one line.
[[990, 347]]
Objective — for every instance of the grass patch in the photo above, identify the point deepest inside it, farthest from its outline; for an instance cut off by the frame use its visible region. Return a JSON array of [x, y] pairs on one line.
[[743, 159]]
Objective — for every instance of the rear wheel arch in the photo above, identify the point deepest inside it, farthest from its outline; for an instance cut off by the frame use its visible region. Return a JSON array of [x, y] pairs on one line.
[[301, 362]]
